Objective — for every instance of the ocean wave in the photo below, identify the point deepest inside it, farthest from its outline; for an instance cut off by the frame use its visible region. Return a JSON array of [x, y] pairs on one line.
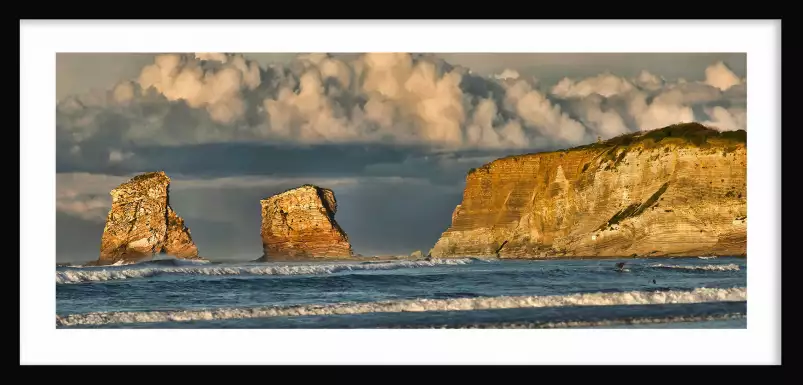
[[582, 324], [728, 267], [85, 275], [416, 305]]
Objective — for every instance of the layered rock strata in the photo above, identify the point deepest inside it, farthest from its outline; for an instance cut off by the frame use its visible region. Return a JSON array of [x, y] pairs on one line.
[[300, 224], [141, 223], [676, 191]]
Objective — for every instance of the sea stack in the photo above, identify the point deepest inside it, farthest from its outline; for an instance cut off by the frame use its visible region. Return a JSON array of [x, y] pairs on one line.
[[141, 223], [300, 224], [676, 191]]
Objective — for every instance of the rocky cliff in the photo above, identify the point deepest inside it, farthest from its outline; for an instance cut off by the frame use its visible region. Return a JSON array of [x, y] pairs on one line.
[[141, 223], [300, 223], [676, 191]]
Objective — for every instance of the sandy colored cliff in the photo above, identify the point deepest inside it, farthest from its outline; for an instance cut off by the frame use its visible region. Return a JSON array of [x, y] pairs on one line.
[[677, 191], [141, 223], [300, 224]]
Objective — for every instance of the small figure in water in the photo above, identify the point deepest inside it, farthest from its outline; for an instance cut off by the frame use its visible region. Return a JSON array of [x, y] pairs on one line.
[[653, 281], [620, 266]]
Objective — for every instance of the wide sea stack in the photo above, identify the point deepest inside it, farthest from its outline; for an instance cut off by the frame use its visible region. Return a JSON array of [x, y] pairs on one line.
[[300, 224], [141, 223], [676, 191]]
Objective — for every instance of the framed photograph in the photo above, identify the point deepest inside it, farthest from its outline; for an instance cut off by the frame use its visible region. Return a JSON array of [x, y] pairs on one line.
[[330, 189]]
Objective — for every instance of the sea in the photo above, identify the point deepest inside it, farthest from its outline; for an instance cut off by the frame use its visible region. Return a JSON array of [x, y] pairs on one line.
[[440, 293]]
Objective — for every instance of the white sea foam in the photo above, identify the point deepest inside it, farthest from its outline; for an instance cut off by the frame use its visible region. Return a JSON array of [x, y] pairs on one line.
[[415, 305], [728, 267], [86, 275], [591, 324]]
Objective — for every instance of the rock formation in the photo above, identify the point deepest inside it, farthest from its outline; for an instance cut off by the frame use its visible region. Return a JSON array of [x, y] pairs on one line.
[[676, 191], [300, 223], [141, 223]]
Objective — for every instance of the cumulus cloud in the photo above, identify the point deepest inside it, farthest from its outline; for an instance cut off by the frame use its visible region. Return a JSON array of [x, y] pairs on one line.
[[538, 112], [663, 110], [212, 56], [727, 119], [720, 76], [604, 84], [217, 89], [649, 81], [507, 74], [610, 105], [377, 98], [594, 111], [123, 92]]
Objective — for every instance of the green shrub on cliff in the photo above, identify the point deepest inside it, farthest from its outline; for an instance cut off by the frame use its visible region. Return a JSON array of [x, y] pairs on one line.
[[694, 133]]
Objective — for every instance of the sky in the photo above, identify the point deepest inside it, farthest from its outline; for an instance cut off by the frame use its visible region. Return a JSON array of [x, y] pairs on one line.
[[392, 134]]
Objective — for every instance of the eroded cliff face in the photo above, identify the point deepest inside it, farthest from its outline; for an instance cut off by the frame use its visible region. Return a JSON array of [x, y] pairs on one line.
[[678, 191], [300, 223], [141, 223]]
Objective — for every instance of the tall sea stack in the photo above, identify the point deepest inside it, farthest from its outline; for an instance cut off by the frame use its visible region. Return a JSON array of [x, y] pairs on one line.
[[300, 224], [141, 223]]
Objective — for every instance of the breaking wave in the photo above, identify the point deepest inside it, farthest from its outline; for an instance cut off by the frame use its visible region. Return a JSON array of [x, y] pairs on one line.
[[582, 324], [414, 305], [728, 267], [86, 275]]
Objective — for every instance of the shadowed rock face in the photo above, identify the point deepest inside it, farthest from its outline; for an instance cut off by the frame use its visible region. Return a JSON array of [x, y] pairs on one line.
[[141, 223], [677, 191], [300, 223]]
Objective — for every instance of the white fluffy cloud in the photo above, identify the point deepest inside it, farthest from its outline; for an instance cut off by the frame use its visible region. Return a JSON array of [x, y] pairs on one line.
[[727, 119], [648, 102], [383, 98], [604, 85], [599, 118], [720, 76], [538, 112], [219, 91], [508, 74]]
